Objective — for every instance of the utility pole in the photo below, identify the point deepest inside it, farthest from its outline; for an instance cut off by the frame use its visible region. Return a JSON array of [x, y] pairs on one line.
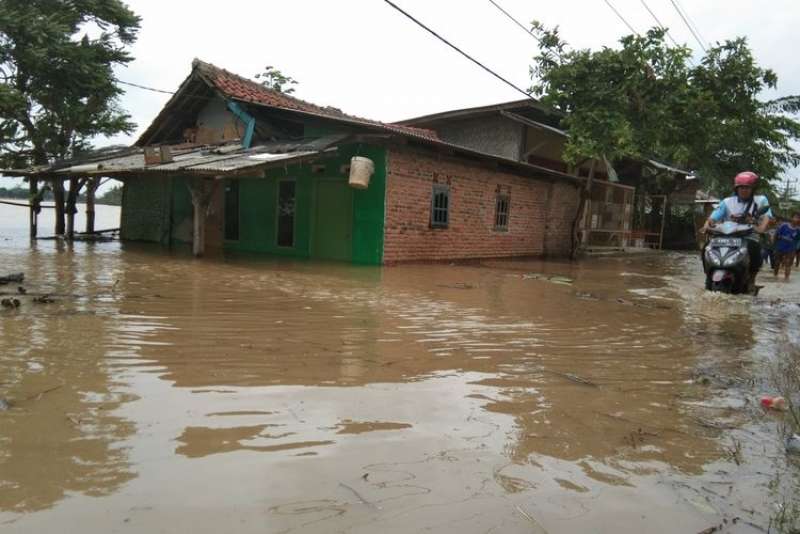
[[786, 198], [789, 189]]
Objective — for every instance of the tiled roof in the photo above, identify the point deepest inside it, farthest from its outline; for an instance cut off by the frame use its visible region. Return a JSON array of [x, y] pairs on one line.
[[240, 88]]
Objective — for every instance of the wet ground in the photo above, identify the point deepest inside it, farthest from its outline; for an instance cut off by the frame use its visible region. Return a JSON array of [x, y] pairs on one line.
[[162, 394]]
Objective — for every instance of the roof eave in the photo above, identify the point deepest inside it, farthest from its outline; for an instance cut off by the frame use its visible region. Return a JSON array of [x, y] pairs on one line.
[[468, 112]]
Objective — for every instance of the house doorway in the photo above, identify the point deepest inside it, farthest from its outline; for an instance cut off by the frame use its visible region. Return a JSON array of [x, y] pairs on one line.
[[333, 221]]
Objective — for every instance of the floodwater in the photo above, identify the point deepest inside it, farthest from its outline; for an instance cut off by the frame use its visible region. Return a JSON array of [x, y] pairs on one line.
[[160, 393]]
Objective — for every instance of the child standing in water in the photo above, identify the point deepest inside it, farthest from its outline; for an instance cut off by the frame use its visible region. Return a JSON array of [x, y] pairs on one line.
[[797, 256], [787, 238]]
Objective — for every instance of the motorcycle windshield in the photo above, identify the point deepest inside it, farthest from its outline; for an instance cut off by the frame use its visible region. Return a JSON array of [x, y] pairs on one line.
[[730, 228]]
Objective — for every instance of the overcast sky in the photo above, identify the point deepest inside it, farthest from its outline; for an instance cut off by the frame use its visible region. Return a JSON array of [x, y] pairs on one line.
[[367, 59]]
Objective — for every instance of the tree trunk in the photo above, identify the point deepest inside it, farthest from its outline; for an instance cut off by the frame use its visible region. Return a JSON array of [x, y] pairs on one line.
[[33, 188], [91, 189], [58, 197], [72, 199]]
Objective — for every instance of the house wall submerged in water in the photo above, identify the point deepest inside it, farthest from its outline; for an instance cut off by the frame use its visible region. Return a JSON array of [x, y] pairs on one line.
[[300, 210], [310, 211], [428, 199]]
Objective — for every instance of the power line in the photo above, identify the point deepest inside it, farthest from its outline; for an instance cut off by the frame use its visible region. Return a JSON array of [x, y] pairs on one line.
[[608, 3], [691, 30], [457, 49], [146, 88], [658, 22], [666, 30], [691, 20], [515, 21]]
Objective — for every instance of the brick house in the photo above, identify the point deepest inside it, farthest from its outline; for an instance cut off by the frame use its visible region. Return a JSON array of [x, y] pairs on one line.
[[528, 132], [229, 164]]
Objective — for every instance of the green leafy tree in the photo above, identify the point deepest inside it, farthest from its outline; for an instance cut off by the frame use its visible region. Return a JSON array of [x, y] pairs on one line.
[[274, 79], [57, 85], [112, 197], [644, 100]]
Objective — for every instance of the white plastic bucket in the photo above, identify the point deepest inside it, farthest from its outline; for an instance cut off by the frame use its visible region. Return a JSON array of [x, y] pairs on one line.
[[361, 170]]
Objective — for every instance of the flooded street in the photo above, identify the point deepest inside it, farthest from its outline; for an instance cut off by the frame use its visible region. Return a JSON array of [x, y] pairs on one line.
[[159, 393]]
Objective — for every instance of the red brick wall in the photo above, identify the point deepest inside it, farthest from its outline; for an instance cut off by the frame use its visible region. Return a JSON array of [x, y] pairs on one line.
[[471, 234]]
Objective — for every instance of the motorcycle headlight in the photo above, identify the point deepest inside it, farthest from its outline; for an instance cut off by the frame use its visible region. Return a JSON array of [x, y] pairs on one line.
[[712, 256], [735, 257]]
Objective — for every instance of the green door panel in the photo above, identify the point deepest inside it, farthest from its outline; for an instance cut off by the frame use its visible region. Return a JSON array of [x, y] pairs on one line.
[[333, 216]]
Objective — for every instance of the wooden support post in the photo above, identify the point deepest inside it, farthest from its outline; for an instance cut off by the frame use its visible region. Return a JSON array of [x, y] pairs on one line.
[[33, 188], [75, 186], [201, 190], [663, 222], [58, 197], [587, 205], [91, 188]]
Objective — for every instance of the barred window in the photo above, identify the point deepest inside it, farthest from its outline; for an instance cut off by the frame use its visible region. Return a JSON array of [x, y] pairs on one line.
[[286, 208], [501, 213], [232, 210], [440, 206]]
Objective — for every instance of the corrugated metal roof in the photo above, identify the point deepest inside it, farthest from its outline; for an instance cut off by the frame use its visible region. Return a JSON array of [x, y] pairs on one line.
[[220, 159]]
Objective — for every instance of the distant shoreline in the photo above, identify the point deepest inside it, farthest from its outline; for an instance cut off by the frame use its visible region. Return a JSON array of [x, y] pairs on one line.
[[50, 204]]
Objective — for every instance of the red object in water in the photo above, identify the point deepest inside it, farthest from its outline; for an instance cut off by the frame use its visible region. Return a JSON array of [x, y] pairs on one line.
[[774, 403]]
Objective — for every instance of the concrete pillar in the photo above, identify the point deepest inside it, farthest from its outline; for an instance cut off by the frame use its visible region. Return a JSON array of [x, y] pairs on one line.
[[201, 191]]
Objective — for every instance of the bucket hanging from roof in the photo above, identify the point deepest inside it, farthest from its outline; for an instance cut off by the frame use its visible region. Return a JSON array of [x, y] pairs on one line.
[[361, 170]]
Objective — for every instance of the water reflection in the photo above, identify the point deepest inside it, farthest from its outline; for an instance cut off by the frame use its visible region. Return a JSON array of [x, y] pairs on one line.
[[60, 433], [433, 383]]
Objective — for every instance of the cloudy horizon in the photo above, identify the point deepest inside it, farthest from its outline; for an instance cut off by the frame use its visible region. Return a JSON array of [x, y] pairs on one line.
[[365, 58]]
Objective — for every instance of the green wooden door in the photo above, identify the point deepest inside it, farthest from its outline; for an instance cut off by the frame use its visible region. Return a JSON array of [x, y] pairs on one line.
[[333, 220]]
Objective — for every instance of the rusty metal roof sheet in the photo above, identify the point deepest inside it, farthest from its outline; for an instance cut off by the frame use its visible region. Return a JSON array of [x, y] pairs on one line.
[[220, 159]]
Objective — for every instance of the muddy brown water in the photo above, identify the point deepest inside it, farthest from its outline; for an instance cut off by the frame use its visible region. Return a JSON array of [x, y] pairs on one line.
[[162, 394]]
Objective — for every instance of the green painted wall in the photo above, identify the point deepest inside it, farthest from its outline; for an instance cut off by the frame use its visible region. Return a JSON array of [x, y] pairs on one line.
[[369, 209], [258, 201], [145, 209], [160, 209], [181, 216], [258, 198]]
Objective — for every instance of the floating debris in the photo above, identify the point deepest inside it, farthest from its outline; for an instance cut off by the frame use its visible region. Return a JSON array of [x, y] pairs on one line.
[[44, 299], [793, 444], [773, 403], [14, 278], [459, 285], [563, 280], [10, 303]]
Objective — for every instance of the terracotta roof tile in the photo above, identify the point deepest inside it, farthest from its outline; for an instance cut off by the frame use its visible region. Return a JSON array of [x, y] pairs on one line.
[[240, 88]]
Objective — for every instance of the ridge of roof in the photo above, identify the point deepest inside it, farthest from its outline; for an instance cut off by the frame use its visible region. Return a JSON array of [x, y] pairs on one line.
[[244, 89], [475, 110]]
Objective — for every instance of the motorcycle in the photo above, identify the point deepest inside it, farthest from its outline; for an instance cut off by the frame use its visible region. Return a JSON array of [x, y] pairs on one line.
[[726, 259]]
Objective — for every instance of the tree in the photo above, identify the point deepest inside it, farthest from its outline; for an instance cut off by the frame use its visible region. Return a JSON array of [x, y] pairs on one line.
[[274, 79], [112, 197], [57, 84], [644, 101]]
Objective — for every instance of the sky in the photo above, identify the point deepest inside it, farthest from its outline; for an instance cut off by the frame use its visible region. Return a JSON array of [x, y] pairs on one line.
[[365, 58]]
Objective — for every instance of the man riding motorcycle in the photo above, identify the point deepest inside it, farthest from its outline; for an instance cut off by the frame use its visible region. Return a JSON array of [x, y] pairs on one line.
[[745, 207]]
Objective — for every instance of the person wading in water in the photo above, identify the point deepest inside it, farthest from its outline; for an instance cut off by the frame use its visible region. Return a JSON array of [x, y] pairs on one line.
[[786, 239]]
